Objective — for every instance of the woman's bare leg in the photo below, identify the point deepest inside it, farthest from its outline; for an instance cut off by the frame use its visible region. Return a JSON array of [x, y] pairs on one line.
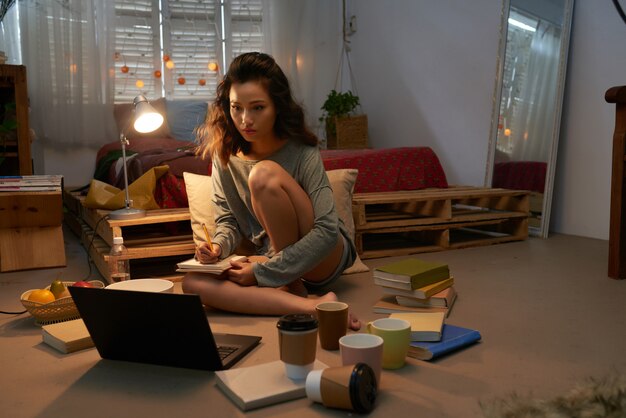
[[286, 213], [228, 296]]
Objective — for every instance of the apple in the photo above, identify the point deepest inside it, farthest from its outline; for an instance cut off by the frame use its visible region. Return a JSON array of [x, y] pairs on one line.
[[82, 283]]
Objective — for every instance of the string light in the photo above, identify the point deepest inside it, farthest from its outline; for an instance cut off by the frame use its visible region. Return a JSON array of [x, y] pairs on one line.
[[124, 69], [139, 84], [169, 64], [213, 66], [157, 73]]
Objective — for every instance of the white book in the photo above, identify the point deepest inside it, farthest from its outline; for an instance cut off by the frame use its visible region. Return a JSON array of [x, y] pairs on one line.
[[261, 385]]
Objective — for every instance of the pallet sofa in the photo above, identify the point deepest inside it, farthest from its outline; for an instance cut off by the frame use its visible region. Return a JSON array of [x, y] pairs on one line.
[[401, 203]]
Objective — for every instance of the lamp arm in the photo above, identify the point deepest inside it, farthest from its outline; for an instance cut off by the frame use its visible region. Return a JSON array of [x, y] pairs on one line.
[[124, 142]]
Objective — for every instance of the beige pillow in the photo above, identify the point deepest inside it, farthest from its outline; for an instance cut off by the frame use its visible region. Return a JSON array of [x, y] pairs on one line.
[[200, 189], [199, 193], [342, 182]]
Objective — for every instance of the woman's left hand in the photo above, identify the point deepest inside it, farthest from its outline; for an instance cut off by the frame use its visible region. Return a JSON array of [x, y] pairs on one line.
[[241, 273]]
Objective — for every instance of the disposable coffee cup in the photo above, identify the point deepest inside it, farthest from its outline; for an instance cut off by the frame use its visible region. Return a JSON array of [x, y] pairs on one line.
[[351, 387], [333, 323], [297, 340]]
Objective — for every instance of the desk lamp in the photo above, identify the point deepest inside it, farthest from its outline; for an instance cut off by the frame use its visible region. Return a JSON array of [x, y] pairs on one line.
[[146, 120]]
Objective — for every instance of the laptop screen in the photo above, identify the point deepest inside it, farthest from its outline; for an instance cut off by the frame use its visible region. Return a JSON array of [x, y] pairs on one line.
[[159, 328]]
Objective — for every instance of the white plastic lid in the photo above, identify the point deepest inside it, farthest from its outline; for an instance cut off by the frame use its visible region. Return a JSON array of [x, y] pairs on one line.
[[118, 240]]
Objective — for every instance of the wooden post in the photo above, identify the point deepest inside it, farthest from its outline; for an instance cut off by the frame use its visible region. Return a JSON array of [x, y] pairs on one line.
[[617, 225]]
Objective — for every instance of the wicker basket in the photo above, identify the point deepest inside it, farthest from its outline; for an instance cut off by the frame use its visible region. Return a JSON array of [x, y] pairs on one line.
[[351, 132], [59, 310]]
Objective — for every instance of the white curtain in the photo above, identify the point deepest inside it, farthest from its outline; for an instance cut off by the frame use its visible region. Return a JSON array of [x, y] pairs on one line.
[[67, 48], [533, 127], [305, 39]]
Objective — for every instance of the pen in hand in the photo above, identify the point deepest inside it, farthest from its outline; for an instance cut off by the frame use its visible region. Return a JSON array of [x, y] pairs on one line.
[[208, 238]]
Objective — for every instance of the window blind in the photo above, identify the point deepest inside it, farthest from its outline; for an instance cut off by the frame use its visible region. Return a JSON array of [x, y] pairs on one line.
[[190, 33]]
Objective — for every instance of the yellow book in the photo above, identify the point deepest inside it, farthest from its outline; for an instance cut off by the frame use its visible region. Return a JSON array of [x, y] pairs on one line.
[[68, 336], [425, 326]]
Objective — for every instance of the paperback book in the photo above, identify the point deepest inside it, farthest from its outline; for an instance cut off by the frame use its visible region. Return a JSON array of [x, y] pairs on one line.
[[261, 385], [420, 293], [67, 336], [425, 326], [411, 273], [443, 299], [453, 338], [388, 305]]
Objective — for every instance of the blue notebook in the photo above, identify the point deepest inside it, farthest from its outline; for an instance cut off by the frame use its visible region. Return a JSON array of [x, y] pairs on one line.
[[452, 338]]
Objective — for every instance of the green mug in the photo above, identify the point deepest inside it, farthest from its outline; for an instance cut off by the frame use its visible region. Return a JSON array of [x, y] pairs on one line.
[[396, 334]]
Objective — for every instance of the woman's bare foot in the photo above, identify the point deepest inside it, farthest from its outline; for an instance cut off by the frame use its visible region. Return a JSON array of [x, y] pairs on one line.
[[353, 322]]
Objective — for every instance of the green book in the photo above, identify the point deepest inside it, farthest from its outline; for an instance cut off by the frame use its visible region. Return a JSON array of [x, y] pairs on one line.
[[411, 273]]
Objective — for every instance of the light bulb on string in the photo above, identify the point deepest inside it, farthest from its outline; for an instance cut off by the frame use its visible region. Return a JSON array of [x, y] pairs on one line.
[[169, 64], [139, 84], [213, 66], [157, 73]]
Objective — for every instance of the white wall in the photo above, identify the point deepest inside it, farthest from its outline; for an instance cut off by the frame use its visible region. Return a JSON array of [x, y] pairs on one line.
[[425, 72], [597, 62]]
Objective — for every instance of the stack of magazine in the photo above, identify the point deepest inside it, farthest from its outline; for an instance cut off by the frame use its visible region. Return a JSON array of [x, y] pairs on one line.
[[35, 183]]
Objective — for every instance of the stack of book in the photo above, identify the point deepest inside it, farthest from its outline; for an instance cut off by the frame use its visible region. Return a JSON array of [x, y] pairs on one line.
[[35, 183], [414, 285]]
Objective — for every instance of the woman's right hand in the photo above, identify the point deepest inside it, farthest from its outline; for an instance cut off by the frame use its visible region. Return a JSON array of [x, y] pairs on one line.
[[204, 254]]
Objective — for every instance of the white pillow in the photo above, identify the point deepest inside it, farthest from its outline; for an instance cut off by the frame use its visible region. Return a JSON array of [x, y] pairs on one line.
[[200, 189]]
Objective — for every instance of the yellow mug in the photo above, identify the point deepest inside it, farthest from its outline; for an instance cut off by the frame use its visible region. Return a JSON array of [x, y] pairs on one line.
[[396, 334]]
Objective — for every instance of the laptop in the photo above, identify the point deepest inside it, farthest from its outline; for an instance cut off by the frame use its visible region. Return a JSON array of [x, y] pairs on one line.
[[168, 329]]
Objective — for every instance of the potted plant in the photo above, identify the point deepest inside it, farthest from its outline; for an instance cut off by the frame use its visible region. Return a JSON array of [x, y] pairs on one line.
[[344, 129]]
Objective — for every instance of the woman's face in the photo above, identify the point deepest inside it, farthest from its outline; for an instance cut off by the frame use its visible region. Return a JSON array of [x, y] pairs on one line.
[[252, 111]]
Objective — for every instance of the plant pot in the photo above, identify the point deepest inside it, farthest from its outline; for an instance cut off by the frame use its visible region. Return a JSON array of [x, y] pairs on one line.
[[349, 132]]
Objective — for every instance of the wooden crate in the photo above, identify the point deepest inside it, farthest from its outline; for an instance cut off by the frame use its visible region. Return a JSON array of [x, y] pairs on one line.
[[408, 222], [31, 235], [155, 243]]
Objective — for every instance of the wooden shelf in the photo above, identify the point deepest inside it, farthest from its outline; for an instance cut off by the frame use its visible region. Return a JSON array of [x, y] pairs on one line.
[[13, 89], [155, 243]]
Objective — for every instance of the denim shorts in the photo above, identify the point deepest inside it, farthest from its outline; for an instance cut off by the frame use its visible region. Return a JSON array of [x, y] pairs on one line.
[[340, 268]]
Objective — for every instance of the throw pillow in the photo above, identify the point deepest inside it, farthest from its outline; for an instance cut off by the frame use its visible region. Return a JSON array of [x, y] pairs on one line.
[[199, 189], [183, 116], [342, 182]]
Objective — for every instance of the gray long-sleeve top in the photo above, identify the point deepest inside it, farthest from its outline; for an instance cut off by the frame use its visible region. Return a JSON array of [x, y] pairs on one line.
[[235, 218]]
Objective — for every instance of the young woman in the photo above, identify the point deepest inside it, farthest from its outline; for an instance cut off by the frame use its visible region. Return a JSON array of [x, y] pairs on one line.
[[270, 188]]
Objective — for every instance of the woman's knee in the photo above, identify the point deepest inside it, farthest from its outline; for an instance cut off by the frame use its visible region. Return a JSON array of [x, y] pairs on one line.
[[264, 177]]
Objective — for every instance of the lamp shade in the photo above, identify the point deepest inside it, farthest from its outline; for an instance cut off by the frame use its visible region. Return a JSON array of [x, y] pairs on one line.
[[146, 118]]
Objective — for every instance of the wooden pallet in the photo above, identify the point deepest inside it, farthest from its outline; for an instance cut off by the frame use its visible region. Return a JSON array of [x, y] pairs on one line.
[[155, 243], [408, 222]]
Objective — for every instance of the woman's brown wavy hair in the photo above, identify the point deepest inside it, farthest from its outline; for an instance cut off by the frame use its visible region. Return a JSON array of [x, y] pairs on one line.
[[218, 136]]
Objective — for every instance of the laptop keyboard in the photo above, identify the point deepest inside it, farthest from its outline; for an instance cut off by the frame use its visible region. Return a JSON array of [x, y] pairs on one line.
[[225, 350]]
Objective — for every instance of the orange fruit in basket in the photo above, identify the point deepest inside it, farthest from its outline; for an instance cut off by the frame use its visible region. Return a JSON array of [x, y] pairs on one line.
[[41, 296]]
